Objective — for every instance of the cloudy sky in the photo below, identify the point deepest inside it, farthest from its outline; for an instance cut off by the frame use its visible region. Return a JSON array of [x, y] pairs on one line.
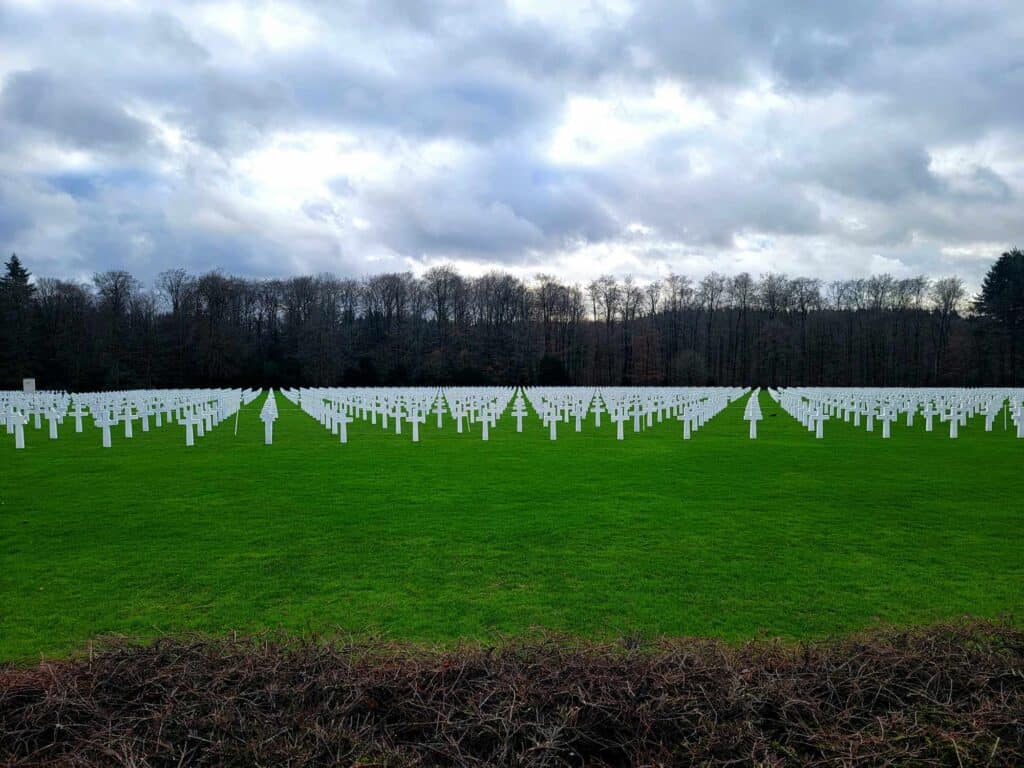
[[577, 138]]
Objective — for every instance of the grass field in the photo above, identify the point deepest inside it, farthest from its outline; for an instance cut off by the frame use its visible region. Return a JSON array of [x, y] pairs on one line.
[[454, 537]]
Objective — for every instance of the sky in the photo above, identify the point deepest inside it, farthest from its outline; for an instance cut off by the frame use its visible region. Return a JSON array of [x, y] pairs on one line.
[[573, 138]]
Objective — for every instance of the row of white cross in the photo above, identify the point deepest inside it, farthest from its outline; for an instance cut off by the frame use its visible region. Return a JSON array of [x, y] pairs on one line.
[[335, 409], [814, 406], [392, 408], [401, 408], [197, 410], [692, 406]]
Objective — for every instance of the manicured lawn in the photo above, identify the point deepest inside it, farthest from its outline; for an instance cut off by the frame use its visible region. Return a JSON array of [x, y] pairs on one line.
[[451, 537]]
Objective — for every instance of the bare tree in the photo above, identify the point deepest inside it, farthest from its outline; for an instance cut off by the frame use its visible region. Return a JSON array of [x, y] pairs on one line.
[[216, 330]]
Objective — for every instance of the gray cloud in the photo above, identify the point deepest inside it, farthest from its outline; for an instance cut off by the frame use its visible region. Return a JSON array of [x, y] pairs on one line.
[[15, 213], [864, 168], [70, 112], [507, 204]]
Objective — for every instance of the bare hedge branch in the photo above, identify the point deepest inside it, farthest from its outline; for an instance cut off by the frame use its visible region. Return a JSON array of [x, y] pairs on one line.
[[946, 695]]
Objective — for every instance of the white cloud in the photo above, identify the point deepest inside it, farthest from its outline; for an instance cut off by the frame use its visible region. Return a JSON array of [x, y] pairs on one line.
[[596, 129], [251, 27]]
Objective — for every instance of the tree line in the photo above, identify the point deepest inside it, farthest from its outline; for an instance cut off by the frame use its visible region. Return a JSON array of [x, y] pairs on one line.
[[445, 328]]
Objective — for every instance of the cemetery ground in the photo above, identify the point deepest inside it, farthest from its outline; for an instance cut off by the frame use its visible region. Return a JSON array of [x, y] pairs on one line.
[[452, 537]]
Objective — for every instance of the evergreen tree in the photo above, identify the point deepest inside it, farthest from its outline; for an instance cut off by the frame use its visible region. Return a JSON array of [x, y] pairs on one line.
[[1002, 293], [16, 277], [17, 295], [1001, 301]]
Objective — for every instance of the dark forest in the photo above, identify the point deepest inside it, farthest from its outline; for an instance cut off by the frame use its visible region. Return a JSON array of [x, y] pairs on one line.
[[443, 328]]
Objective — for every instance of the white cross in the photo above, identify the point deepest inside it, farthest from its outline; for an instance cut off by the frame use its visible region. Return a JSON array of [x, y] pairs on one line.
[[78, 413], [416, 418], [619, 418], [819, 424], [19, 420], [342, 422], [684, 417], [51, 418], [439, 408], [519, 411], [267, 415], [190, 435], [127, 416], [485, 422], [105, 420]]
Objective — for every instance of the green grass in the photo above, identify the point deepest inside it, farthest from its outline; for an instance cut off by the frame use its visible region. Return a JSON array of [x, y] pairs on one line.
[[453, 537]]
